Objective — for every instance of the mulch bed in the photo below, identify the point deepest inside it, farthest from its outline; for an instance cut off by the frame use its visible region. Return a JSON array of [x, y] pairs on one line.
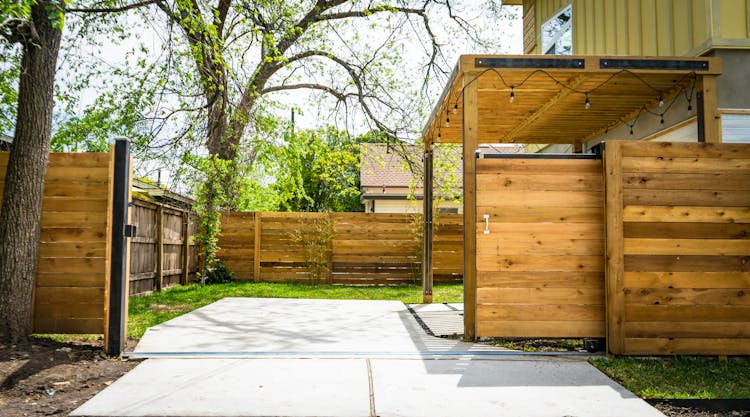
[[49, 378]]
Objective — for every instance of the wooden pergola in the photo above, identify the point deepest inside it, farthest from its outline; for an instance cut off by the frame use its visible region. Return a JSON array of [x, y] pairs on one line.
[[540, 99]]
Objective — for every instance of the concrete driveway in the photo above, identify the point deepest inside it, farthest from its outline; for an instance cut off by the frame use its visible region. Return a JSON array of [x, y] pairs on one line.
[[289, 357]]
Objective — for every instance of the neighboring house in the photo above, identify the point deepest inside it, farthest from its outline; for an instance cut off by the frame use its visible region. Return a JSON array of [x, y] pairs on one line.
[[693, 28], [146, 190], [388, 185], [5, 142]]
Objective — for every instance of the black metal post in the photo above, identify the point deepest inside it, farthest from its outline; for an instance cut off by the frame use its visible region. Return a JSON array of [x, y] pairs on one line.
[[427, 242], [700, 113], [118, 280]]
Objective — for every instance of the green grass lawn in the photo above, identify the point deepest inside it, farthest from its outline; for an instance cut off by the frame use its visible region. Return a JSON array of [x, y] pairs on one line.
[[158, 307], [680, 376]]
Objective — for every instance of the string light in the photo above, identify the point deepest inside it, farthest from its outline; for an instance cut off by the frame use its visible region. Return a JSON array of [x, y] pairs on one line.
[[587, 101]]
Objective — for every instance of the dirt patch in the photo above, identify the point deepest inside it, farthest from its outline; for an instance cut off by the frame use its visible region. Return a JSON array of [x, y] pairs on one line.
[[50, 378], [673, 411]]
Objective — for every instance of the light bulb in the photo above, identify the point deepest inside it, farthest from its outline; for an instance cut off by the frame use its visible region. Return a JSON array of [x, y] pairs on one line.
[[588, 102], [455, 108], [447, 122], [661, 100], [512, 94]]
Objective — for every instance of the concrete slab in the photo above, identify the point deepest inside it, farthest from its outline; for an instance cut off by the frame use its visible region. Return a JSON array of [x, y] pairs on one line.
[[293, 326], [363, 336], [236, 387], [514, 386]]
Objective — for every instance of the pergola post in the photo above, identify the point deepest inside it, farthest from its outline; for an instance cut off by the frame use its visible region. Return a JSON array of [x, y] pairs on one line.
[[470, 143], [427, 277], [709, 120]]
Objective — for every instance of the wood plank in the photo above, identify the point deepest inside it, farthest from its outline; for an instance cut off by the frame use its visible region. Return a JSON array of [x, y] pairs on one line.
[[676, 329], [685, 150], [74, 172], [686, 214], [554, 279], [674, 165], [69, 295], [74, 219], [73, 250], [65, 279], [714, 247], [687, 296], [70, 310], [72, 265], [686, 263], [687, 230], [539, 166], [74, 204], [257, 228], [687, 280], [531, 214], [557, 199], [546, 230], [539, 182], [540, 296], [687, 197], [727, 181], [687, 346], [614, 299], [68, 326], [75, 189], [532, 312], [470, 127], [541, 329], [499, 246], [540, 263], [688, 313]]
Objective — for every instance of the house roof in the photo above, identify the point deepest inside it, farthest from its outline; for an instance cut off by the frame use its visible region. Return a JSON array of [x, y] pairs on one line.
[[384, 166]]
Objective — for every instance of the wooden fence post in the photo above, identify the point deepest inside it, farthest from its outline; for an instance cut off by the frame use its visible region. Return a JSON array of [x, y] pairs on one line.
[[256, 248], [185, 247], [329, 266], [159, 247]]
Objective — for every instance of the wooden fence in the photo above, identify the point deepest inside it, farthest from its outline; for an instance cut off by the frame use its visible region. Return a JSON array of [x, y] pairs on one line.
[[678, 272], [540, 266], [162, 253], [337, 248], [73, 269]]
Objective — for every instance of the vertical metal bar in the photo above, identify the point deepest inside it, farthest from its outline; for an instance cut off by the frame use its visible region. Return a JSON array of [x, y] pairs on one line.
[[119, 258], [427, 276]]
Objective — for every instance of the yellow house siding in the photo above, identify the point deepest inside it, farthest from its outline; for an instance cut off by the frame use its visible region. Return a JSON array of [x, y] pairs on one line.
[[651, 27]]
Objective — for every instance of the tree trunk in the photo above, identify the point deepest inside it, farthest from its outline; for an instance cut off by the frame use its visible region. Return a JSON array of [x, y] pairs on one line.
[[21, 210]]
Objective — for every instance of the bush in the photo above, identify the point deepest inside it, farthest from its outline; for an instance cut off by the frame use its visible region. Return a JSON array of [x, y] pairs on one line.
[[218, 273]]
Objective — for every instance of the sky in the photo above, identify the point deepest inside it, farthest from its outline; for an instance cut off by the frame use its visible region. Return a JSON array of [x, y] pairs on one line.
[[316, 110]]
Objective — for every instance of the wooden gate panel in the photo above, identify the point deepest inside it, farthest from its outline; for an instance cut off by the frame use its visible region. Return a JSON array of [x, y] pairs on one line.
[[540, 270]]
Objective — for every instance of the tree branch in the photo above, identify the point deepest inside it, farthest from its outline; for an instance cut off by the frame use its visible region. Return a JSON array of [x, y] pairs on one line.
[[111, 9]]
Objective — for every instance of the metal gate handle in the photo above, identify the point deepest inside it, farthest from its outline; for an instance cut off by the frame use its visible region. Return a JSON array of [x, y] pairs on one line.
[[486, 224]]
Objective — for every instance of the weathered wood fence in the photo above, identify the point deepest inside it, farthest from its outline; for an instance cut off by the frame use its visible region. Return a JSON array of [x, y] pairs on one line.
[[162, 254], [337, 248], [72, 281]]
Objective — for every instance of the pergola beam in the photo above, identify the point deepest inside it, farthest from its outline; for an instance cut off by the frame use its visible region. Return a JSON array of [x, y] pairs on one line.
[[565, 92]]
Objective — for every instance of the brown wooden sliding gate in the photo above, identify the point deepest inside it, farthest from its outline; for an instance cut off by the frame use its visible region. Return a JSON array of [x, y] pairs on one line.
[[540, 246]]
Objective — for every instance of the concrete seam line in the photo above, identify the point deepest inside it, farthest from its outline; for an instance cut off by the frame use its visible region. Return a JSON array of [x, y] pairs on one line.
[[372, 389]]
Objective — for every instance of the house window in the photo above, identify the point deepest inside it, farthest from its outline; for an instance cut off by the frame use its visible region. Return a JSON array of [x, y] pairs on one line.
[[735, 127], [557, 33]]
